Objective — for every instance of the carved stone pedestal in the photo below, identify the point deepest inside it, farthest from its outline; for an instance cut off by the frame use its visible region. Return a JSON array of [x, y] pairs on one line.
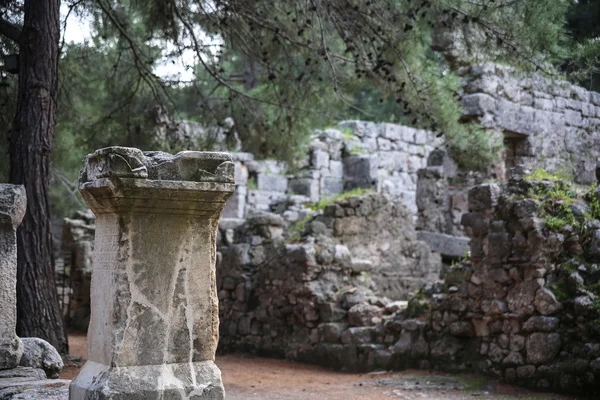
[[154, 319]]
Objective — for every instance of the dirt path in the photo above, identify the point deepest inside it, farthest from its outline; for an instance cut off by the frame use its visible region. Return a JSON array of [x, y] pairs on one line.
[[246, 378]]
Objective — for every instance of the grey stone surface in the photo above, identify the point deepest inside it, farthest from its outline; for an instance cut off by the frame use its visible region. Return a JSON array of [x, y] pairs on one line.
[[37, 353], [446, 245], [548, 122], [26, 383], [154, 323], [13, 203], [542, 348], [55, 389]]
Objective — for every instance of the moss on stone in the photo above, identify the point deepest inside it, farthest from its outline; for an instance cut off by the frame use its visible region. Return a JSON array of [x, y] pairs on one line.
[[330, 200]]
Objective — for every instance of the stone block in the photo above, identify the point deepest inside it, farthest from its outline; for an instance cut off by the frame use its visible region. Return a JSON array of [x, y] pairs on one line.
[[393, 161], [361, 170], [574, 118], [267, 167], [319, 159], [542, 348], [236, 204], [330, 186], [241, 173], [336, 169], [272, 182], [423, 137], [154, 323], [538, 323], [262, 200], [478, 104], [515, 118], [364, 315], [393, 132], [384, 144], [307, 187], [484, 197], [446, 245]]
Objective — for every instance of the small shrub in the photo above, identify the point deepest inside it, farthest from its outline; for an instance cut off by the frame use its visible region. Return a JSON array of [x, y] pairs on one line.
[[297, 229]]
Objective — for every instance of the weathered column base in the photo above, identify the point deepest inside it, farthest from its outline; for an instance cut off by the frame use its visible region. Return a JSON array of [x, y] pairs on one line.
[[187, 381]]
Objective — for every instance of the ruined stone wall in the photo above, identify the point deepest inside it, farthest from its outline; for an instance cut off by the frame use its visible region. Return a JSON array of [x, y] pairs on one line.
[[524, 308], [280, 296], [353, 154], [546, 123]]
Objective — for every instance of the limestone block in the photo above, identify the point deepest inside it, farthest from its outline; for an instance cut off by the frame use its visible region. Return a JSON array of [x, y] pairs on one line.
[[262, 199], [384, 144], [560, 103], [422, 136], [13, 203], [241, 173], [516, 118], [305, 186], [236, 204], [330, 186], [266, 167], [393, 160], [392, 132], [319, 159], [446, 245], [154, 323], [542, 348], [477, 104], [483, 197], [336, 169], [361, 170], [574, 118], [272, 182]]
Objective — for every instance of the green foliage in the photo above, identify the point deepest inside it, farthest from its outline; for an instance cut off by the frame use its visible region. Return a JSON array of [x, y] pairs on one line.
[[466, 257], [557, 223], [252, 185], [330, 200], [297, 229], [541, 174], [594, 203]]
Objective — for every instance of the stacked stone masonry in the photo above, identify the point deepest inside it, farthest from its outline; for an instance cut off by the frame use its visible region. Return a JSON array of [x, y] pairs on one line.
[[497, 314], [354, 154], [277, 294], [546, 123]]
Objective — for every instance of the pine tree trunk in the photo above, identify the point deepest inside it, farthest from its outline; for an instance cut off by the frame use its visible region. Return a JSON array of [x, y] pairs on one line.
[[31, 144]]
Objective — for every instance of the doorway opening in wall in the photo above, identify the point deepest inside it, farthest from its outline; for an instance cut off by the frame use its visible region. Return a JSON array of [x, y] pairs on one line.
[[515, 148]]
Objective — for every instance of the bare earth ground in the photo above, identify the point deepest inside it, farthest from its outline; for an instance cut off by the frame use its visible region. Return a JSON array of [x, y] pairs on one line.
[[246, 378]]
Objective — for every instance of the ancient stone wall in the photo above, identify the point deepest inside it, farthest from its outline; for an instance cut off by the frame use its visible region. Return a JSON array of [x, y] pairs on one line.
[[524, 308], [279, 296], [353, 154], [546, 123]]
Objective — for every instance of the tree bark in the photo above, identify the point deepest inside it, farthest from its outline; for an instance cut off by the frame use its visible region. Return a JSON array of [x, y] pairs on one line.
[[38, 310]]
